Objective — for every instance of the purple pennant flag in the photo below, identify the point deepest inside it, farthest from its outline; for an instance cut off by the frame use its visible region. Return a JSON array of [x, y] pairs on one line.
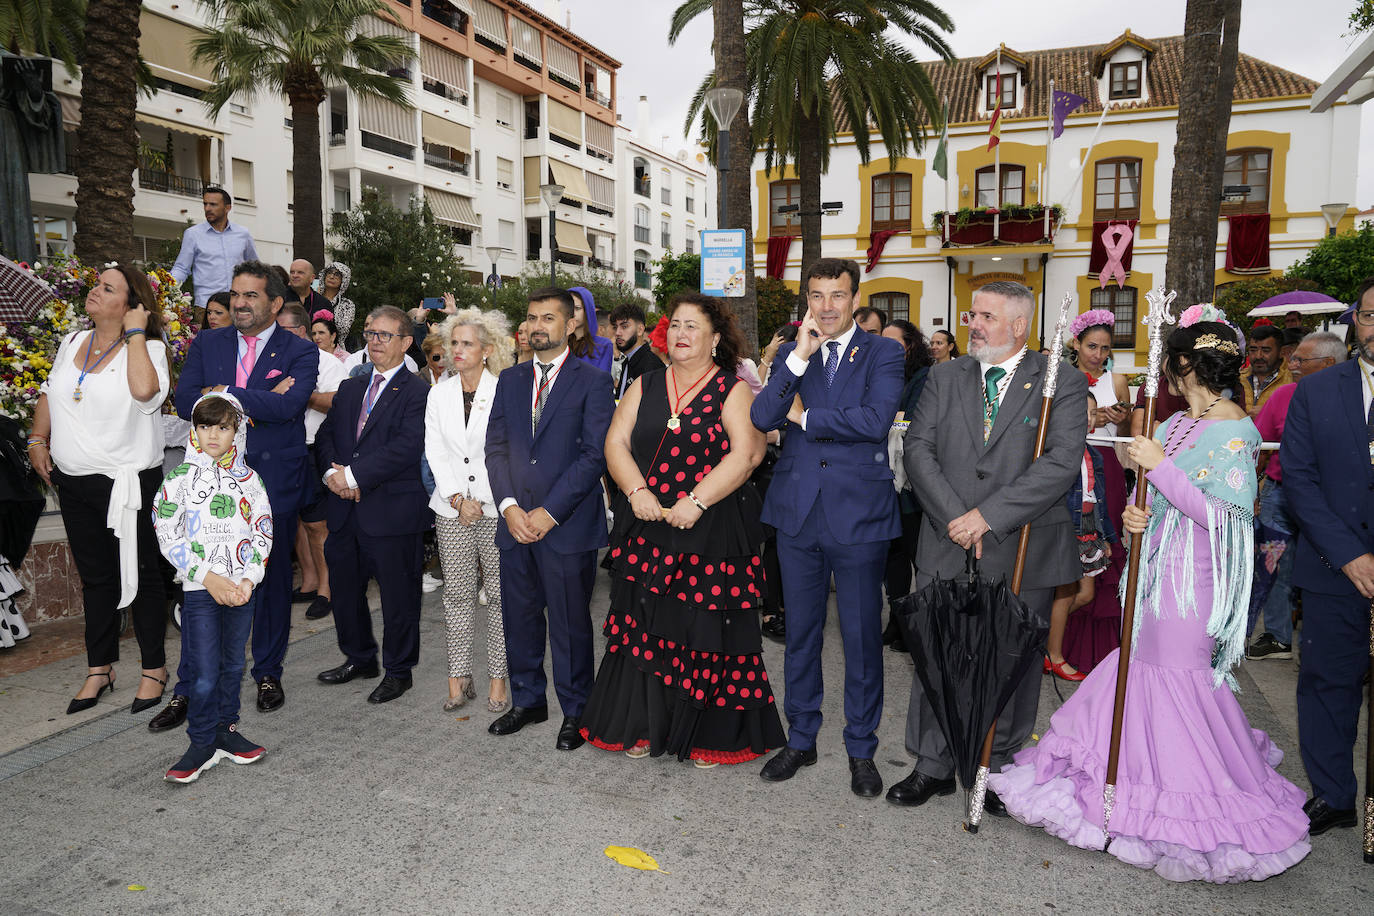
[[1065, 104]]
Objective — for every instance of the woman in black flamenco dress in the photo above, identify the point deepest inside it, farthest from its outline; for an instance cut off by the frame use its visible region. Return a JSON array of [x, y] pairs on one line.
[[683, 672]]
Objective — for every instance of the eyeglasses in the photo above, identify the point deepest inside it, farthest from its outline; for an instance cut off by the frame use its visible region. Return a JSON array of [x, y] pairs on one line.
[[382, 337], [436, 357], [1365, 318], [1306, 359]]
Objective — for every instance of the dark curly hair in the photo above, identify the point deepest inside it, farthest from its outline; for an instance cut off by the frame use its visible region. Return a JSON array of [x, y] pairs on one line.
[[722, 318], [914, 345], [1215, 369]]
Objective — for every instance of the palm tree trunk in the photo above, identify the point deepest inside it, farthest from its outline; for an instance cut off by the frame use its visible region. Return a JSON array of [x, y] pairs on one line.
[[811, 143], [307, 236], [1211, 29], [734, 191], [107, 137]]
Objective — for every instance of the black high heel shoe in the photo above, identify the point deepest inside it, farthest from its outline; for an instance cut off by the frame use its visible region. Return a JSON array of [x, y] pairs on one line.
[[141, 704], [81, 705]]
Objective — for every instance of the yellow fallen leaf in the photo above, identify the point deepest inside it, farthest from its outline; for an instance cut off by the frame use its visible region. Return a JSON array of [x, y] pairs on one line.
[[633, 858], [137, 887]]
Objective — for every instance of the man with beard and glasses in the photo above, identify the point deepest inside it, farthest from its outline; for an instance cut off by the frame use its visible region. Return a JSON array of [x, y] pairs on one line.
[[272, 373], [968, 456], [637, 357], [545, 441], [1328, 479]]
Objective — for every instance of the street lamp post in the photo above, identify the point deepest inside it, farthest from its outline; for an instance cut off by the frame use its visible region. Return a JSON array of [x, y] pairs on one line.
[[723, 103], [552, 194], [1332, 213], [494, 254]]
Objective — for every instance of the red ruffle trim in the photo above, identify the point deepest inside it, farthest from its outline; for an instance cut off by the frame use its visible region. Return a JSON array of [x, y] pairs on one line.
[[710, 756]]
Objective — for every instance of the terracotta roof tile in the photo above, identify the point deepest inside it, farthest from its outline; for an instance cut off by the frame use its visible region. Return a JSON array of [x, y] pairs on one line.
[[1072, 70]]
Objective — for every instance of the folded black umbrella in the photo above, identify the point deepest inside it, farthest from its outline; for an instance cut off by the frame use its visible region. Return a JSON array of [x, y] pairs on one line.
[[972, 640]]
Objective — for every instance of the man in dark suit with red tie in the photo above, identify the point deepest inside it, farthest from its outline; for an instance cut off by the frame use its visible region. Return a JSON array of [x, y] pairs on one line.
[[273, 374], [545, 459], [369, 450]]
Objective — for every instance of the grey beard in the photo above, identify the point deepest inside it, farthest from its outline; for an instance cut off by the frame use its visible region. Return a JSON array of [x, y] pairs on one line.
[[988, 354]]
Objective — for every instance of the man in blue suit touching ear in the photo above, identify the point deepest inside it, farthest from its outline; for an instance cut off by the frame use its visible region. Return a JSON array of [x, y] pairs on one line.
[[835, 509]]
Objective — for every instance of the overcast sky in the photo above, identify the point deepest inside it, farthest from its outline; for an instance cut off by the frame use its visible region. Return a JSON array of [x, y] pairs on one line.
[[1304, 37]]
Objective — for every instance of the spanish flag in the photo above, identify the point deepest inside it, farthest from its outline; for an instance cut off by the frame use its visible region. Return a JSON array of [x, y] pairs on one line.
[[995, 128]]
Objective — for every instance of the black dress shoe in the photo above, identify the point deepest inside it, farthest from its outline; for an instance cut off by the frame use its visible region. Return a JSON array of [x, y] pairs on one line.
[[518, 718], [389, 689], [270, 694], [786, 763], [993, 805], [170, 716], [775, 628], [918, 788], [320, 607], [570, 734], [1324, 817], [300, 597], [348, 671], [864, 778]]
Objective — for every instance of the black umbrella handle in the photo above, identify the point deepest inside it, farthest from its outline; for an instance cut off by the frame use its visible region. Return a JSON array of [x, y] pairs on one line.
[[970, 564]]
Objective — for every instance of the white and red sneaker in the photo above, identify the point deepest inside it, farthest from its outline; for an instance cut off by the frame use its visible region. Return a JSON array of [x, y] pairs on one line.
[[195, 761], [232, 746]]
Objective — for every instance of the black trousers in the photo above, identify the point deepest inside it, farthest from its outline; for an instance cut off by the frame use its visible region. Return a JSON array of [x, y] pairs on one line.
[[901, 557], [85, 502]]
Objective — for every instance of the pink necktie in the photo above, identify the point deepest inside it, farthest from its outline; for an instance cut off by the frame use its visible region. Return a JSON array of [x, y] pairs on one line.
[[370, 400], [245, 365]]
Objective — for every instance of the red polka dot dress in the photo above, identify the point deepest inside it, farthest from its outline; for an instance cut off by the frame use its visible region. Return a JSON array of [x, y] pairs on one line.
[[683, 672]]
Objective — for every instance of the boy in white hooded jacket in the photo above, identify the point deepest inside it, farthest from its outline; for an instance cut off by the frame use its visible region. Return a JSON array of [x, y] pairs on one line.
[[214, 525]]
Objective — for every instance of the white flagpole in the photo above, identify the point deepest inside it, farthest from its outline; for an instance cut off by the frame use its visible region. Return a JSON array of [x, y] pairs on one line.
[[1087, 157], [944, 128], [1049, 148]]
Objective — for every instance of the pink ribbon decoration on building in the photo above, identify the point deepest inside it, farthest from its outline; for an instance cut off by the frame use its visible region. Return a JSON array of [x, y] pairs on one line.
[[1116, 239]]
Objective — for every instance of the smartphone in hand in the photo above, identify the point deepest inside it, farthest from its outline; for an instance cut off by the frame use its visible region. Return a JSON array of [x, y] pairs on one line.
[[433, 303]]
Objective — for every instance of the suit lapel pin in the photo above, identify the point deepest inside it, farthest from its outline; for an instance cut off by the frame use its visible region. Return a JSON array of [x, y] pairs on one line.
[[271, 354], [1027, 385], [852, 354]]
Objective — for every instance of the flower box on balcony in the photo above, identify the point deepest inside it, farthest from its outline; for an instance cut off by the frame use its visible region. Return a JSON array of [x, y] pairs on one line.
[[1013, 225]]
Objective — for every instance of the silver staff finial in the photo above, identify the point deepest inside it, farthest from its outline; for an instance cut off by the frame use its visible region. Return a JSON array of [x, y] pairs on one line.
[[1055, 344], [1158, 316]]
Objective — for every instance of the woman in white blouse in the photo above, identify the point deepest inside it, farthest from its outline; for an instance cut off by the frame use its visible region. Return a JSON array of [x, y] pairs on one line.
[[97, 438], [464, 512]]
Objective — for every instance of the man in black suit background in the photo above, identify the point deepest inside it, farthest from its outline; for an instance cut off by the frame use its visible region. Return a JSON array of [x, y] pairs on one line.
[[637, 357], [369, 450]]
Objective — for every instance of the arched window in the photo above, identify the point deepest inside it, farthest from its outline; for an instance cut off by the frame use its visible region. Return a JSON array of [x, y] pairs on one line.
[[1117, 190], [641, 223], [784, 194], [1013, 190], [892, 201], [1121, 303], [1249, 167]]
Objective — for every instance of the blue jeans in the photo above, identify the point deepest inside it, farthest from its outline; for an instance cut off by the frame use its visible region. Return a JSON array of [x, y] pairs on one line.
[[1271, 590], [213, 640]]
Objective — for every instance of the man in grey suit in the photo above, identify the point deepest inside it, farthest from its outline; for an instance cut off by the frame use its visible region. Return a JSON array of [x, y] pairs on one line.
[[968, 456]]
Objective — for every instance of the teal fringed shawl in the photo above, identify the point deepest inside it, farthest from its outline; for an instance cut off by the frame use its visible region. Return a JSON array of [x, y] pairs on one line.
[[1221, 464]]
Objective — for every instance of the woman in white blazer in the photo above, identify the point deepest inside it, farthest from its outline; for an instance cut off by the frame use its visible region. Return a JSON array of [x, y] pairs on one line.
[[479, 347]]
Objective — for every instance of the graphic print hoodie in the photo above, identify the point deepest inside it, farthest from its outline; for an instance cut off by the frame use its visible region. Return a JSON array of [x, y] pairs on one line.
[[213, 516]]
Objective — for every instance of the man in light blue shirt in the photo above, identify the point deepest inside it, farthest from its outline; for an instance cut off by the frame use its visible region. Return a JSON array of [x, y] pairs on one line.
[[210, 251]]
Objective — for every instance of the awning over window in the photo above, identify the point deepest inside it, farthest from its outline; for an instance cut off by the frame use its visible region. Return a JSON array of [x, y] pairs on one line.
[[375, 26], [574, 184], [463, 6], [563, 61], [565, 121], [532, 177], [155, 121], [600, 137], [489, 21], [602, 190], [166, 46], [443, 65], [572, 239], [452, 209], [387, 119], [445, 133], [526, 41]]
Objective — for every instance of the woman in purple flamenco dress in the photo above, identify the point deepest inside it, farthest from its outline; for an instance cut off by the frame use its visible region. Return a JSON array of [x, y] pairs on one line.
[[1197, 797]]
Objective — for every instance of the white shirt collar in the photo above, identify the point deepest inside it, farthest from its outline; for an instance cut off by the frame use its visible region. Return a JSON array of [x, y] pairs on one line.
[[557, 362], [843, 340], [262, 335], [1009, 364], [388, 375]]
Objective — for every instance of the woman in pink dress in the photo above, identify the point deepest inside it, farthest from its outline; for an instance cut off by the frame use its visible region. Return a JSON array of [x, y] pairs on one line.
[[1197, 796]]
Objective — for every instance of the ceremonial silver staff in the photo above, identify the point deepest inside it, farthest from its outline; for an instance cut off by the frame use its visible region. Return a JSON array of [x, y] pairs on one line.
[[1055, 344], [1158, 316]]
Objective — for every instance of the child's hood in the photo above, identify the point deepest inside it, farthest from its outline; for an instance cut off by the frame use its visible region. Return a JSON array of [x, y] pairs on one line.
[[233, 460]]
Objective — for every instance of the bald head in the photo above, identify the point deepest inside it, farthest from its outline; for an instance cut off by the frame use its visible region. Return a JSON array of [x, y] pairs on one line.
[[302, 274]]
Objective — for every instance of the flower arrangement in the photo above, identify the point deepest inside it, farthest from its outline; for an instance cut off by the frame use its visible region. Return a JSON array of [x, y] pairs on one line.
[[27, 351], [1091, 319]]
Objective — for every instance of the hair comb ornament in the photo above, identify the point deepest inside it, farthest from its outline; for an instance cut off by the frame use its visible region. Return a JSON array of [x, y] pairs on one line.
[[1091, 319], [1213, 342]]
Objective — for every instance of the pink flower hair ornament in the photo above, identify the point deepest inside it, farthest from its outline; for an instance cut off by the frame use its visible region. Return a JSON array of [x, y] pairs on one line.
[[1091, 319], [1206, 311], [322, 313]]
